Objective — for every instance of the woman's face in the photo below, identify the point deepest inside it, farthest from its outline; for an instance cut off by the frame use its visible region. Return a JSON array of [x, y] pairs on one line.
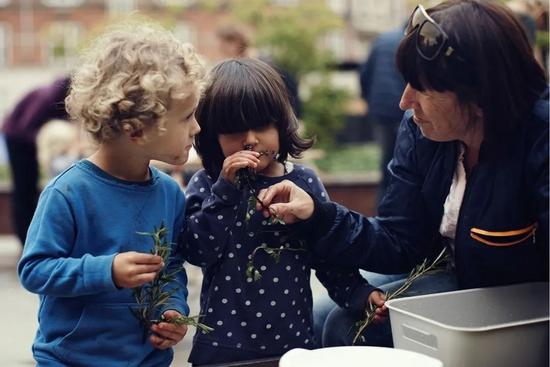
[[439, 115]]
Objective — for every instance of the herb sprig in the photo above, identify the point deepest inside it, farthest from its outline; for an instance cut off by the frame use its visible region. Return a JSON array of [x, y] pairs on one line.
[[151, 296], [420, 270]]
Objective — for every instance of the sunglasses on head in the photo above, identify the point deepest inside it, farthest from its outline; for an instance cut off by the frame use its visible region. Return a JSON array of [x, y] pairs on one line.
[[431, 39]]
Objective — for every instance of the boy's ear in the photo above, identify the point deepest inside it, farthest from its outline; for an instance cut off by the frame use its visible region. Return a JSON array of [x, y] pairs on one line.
[[137, 136]]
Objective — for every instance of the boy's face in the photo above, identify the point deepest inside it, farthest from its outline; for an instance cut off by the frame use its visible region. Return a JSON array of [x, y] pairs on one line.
[[172, 146]]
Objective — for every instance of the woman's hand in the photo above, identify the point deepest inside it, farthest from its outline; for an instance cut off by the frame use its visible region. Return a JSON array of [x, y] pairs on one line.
[[166, 335], [286, 201], [378, 299], [238, 160]]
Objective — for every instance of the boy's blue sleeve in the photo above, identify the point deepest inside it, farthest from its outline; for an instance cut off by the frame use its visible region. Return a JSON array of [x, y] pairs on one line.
[[212, 209], [178, 300], [48, 266]]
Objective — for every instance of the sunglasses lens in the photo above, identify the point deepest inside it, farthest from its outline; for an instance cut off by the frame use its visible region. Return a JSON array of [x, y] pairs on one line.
[[430, 40]]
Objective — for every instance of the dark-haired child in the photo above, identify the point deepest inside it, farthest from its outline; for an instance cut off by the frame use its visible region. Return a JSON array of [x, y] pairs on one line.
[[256, 290]]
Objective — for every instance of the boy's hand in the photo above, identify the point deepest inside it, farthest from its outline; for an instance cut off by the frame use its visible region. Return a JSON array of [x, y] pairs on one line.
[[132, 269], [378, 299], [167, 335], [238, 160]]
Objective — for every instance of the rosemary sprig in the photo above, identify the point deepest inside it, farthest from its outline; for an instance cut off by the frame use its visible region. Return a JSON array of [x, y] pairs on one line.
[[274, 252], [150, 296], [416, 273]]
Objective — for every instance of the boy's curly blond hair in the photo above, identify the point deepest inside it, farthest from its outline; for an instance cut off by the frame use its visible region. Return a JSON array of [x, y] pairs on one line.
[[128, 77]]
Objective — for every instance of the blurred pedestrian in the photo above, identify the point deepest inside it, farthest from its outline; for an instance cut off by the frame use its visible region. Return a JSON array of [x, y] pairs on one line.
[[20, 128], [234, 43], [381, 87]]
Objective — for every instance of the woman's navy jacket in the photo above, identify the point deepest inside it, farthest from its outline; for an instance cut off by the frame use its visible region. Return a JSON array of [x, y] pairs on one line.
[[502, 229]]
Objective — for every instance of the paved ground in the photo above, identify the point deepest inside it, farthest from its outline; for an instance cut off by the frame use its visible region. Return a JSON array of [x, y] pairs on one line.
[[18, 310]]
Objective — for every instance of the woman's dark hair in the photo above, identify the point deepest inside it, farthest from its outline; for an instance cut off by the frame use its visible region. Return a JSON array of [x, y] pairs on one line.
[[493, 66], [245, 94]]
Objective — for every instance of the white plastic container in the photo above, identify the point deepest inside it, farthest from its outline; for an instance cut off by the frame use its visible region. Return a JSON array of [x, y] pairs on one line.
[[483, 327], [356, 357]]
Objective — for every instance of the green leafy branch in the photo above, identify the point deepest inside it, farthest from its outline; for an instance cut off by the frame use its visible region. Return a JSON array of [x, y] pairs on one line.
[[419, 271], [151, 296], [274, 252]]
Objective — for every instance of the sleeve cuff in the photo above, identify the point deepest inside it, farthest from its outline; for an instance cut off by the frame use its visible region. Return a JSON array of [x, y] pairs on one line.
[[360, 298], [98, 272], [320, 221]]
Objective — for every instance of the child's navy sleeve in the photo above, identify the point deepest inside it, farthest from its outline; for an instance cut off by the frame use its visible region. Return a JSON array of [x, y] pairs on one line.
[[212, 210], [345, 285]]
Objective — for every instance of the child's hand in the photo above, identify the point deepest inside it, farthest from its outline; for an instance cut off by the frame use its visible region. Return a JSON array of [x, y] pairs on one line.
[[167, 335], [132, 269], [379, 299], [238, 160]]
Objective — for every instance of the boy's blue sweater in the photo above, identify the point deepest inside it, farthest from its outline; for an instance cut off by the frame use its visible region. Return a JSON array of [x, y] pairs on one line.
[[84, 218]]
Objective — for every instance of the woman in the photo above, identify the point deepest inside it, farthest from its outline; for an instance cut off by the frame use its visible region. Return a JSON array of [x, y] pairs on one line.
[[470, 168]]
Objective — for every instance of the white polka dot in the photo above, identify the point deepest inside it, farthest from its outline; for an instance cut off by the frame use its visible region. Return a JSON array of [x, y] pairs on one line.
[[238, 290], [298, 312], [285, 346], [196, 179], [238, 224], [264, 222], [296, 280], [210, 237], [201, 189], [250, 234], [249, 280], [229, 334], [273, 303], [196, 221], [219, 323], [220, 217], [285, 291], [263, 268], [262, 347], [275, 280], [210, 310], [230, 255], [238, 345], [306, 341], [238, 245], [323, 194], [283, 315], [276, 233], [247, 302], [216, 288], [288, 268], [233, 312], [261, 291], [243, 323], [228, 278], [195, 235], [224, 197], [277, 337], [268, 326], [224, 300], [258, 314], [253, 336], [215, 344], [297, 333], [290, 326], [310, 180]]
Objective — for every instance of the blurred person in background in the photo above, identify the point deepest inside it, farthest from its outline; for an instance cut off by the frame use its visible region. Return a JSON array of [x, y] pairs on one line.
[[234, 43], [381, 87], [20, 128]]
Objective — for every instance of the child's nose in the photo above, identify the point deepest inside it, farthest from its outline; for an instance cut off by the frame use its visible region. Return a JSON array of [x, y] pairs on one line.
[[250, 140]]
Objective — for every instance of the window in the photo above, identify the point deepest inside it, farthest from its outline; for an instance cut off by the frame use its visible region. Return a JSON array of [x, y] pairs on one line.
[[175, 3], [116, 7], [61, 42], [62, 3], [185, 33], [5, 49]]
